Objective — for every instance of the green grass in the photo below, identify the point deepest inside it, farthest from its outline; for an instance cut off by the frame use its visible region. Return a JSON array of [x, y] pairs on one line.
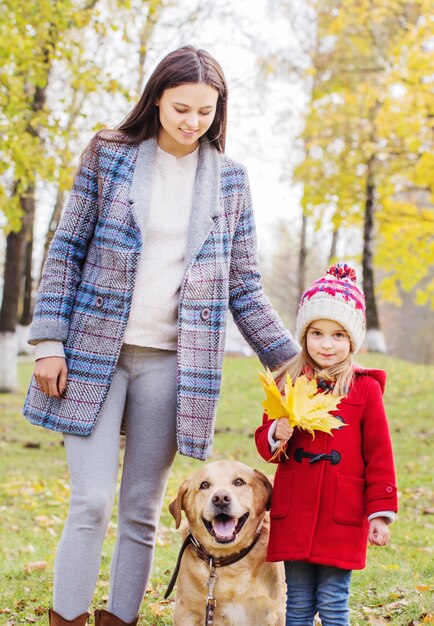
[[396, 587]]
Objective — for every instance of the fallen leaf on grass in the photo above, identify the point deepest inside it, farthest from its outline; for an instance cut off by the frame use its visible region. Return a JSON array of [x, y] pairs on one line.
[[30, 619], [367, 609], [37, 565], [158, 610], [397, 605], [423, 587], [393, 567], [20, 604], [429, 619], [395, 596], [44, 520]]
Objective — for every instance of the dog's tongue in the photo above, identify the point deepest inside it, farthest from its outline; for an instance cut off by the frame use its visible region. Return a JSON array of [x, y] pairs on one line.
[[224, 527]]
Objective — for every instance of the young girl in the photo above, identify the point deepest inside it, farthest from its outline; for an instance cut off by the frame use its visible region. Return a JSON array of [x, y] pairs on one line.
[[334, 492], [156, 243]]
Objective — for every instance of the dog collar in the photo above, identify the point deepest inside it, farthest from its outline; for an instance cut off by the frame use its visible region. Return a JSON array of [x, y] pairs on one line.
[[211, 560]]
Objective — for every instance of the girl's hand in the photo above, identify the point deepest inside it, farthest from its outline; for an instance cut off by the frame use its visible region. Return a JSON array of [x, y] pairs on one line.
[[283, 430], [51, 374], [379, 533]]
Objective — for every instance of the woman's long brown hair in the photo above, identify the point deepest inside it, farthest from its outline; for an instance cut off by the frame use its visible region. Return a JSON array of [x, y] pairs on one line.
[[185, 65]]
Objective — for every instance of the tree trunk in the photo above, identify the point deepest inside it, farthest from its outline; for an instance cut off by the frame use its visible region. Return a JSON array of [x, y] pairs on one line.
[[54, 222], [12, 288], [334, 244], [27, 306], [154, 12], [13, 272], [8, 362], [302, 258], [19, 247], [375, 341]]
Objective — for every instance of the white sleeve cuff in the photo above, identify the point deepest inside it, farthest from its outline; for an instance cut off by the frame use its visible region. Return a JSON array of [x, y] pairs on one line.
[[272, 442], [47, 348], [389, 515]]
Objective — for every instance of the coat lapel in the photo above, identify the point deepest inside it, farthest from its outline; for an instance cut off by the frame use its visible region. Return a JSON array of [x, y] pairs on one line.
[[206, 200], [141, 185]]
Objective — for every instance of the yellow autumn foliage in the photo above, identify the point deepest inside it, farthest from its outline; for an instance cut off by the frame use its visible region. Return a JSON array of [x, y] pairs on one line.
[[301, 403], [370, 119]]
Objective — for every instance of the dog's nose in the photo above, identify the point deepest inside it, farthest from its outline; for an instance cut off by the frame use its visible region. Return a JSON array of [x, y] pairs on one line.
[[221, 499]]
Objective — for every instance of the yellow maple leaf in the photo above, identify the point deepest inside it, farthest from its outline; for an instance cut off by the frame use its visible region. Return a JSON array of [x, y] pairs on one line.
[[301, 403], [273, 403]]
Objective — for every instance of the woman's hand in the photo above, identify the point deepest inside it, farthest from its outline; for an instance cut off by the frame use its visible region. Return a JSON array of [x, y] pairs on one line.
[[51, 374], [379, 533], [283, 430]]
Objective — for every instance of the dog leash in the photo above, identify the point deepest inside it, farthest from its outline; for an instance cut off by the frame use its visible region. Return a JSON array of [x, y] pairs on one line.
[[213, 562], [211, 602]]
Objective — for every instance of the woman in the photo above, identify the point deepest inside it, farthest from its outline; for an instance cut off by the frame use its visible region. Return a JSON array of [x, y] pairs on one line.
[[156, 242]]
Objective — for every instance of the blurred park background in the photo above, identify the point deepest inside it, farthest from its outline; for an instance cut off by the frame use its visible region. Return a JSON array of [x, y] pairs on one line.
[[331, 107]]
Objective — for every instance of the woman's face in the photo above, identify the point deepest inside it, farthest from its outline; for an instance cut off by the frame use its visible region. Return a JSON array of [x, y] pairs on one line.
[[327, 343], [186, 113]]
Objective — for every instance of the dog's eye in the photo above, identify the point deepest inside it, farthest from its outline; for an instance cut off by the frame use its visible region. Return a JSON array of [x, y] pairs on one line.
[[204, 485], [239, 482]]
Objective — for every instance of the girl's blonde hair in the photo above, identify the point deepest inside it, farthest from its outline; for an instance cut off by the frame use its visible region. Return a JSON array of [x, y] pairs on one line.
[[342, 374]]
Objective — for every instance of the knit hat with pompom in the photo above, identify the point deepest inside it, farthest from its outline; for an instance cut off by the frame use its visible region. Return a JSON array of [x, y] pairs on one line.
[[336, 297]]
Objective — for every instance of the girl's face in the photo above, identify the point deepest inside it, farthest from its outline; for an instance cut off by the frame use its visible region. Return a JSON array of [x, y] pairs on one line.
[[186, 113], [327, 343]]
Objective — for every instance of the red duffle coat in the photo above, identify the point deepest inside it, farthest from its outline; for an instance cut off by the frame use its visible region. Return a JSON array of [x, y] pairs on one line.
[[320, 509]]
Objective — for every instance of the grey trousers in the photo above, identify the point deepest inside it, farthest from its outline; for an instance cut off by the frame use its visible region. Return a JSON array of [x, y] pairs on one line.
[[144, 391]]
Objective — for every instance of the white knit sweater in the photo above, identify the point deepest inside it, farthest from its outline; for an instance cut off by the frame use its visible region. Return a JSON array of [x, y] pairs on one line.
[[154, 310]]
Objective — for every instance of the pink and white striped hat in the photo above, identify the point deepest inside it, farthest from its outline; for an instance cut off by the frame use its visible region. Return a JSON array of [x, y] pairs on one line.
[[336, 297]]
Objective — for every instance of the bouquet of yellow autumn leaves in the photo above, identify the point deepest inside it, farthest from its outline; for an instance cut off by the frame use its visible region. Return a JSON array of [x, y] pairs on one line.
[[301, 403]]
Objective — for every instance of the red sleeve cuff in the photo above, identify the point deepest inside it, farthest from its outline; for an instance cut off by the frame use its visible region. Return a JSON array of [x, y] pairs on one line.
[[381, 497]]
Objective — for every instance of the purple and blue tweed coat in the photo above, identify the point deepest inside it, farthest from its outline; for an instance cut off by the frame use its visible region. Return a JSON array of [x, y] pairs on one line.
[[88, 281]]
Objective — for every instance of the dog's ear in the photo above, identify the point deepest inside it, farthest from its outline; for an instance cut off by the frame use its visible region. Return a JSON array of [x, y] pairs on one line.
[[268, 486], [176, 506]]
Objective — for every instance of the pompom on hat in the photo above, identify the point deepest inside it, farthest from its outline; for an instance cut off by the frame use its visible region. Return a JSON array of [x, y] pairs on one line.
[[336, 297]]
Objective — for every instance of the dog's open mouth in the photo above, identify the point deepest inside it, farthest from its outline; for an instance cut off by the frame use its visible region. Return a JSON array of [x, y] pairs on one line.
[[225, 528]]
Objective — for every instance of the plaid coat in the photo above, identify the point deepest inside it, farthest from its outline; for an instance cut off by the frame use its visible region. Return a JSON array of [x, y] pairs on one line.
[[88, 281]]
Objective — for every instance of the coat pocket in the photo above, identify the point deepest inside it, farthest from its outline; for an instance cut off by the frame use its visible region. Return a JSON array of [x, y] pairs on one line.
[[349, 507], [282, 490]]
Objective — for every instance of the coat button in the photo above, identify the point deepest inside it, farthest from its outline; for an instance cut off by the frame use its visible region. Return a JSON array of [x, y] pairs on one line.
[[99, 301], [205, 313], [389, 489]]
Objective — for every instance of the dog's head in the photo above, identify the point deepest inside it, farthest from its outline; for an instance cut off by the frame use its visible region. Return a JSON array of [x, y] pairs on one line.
[[224, 503]]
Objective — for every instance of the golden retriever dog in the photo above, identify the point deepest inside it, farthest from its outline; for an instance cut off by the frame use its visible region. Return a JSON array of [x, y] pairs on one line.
[[225, 504]]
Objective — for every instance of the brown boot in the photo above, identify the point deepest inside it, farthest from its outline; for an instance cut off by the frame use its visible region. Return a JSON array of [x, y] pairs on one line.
[[57, 620], [105, 618]]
